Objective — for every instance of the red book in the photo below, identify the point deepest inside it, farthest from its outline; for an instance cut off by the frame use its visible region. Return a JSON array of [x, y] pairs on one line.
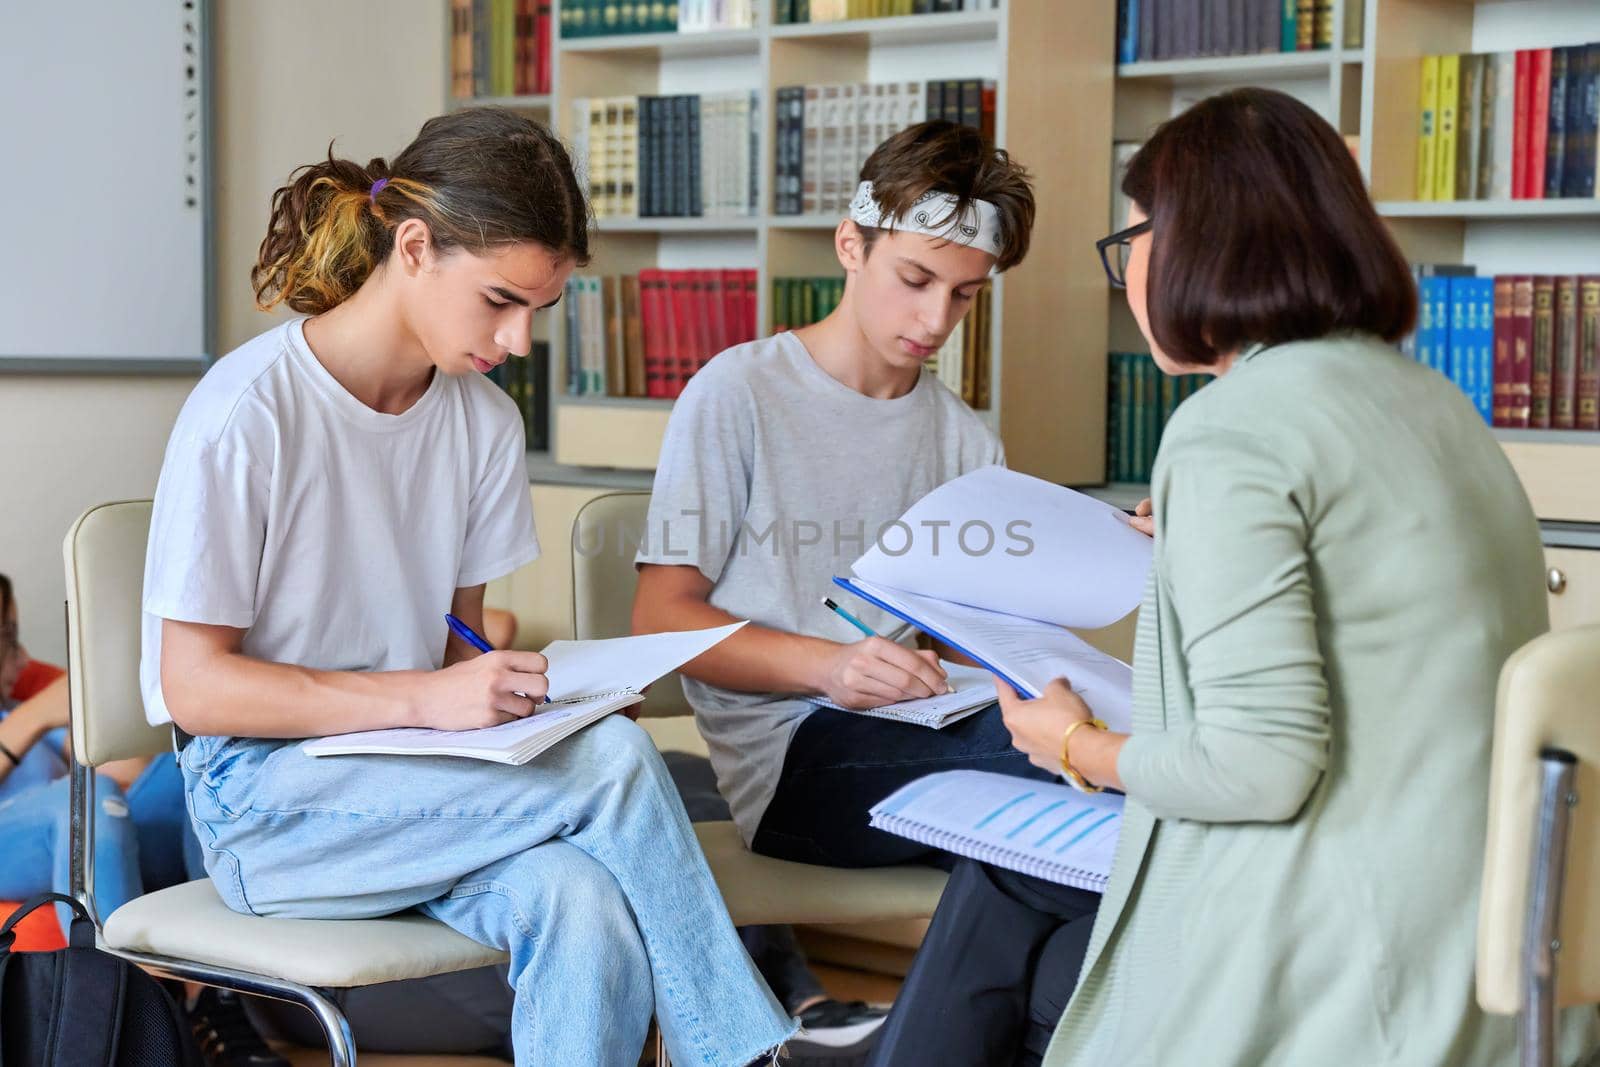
[[716, 312], [733, 307], [541, 46], [1519, 128], [1589, 352], [1503, 341], [655, 326], [1538, 120], [1521, 350], [750, 324], [1564, 379], [685, 343], [523, 50]]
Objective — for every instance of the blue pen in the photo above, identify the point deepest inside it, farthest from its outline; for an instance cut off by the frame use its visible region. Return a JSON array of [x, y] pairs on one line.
[[849, 618], [470, 636], [466, 633]]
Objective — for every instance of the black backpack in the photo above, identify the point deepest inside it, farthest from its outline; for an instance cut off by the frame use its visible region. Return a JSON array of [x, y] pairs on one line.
[[80, 1007]]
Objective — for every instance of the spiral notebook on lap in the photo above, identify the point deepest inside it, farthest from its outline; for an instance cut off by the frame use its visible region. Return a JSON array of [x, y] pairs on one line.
[[588, 681], [972, 691], [1045, 829]]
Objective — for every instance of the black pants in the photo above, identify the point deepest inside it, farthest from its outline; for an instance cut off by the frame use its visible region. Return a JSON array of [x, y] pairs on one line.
[[993, 975], [840, 764]]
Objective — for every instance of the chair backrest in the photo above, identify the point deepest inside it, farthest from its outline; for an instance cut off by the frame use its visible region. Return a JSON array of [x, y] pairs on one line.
[[104, 556], [605, 533], [1549, 696]]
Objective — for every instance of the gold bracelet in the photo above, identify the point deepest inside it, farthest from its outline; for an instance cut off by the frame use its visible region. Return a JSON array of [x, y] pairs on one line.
[[1066, 766]]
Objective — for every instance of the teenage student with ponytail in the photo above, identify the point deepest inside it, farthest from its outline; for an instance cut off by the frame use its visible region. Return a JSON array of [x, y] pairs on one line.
[[331, 489]]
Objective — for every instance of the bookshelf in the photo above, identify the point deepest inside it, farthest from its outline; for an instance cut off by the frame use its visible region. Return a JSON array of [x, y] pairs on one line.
[[1372, 94], [1049, 322]]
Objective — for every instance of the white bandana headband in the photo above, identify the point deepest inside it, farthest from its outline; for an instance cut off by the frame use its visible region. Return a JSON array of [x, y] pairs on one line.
[[934, 215]]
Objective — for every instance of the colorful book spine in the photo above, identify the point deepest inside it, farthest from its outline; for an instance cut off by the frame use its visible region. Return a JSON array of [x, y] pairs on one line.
[[1521, 350], [1564, 376], [1542, 353], [1427, 131], [1589, 352], [1504, 351], [1449, 91]]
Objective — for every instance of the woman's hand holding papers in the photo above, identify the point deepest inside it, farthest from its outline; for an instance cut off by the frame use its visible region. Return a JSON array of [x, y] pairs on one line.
[[1143, 518], [486, 690], [875, 672], [1037, 727]]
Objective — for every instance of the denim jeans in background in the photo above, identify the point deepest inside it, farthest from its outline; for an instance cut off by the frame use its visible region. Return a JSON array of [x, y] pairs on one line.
[[581, 865], [139, 838]]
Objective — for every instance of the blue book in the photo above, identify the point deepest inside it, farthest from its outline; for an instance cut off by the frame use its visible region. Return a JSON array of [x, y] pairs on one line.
[[1462, 327], [1433, 333], [1483, 295], [1128, 40]]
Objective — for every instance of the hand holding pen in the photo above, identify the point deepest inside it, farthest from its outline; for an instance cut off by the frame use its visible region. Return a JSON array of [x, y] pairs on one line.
[[876, 671]]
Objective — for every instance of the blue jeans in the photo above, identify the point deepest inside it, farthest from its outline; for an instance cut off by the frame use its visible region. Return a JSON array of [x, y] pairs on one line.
[[139, 838], [581, 865]]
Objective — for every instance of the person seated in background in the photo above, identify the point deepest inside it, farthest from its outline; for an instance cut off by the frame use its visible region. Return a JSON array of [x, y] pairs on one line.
[[142, 840]]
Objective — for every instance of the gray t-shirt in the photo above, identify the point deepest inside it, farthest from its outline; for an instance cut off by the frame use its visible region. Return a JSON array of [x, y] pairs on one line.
[[773, 478]]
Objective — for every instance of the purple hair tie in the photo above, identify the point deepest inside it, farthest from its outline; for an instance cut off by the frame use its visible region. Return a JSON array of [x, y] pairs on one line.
[[377, 187]]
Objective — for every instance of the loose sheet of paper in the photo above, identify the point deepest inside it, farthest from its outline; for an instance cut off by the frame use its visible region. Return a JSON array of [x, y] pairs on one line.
[[1006, 542], [1029, 652], [581, 668]]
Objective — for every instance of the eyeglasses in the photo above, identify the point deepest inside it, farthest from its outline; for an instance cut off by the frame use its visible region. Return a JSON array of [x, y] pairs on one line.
[[1114, 252]]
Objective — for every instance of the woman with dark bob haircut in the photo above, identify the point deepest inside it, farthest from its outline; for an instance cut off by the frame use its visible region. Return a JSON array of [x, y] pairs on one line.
[[1344, 559]]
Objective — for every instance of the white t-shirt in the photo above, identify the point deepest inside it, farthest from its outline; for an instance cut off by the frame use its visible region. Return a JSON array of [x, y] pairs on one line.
[[773, 478], [335, 535]]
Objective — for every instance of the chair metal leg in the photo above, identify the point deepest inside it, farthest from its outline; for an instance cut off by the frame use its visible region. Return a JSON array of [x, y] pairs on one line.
[[663, 1059], [335, 1027], [1540, 943]]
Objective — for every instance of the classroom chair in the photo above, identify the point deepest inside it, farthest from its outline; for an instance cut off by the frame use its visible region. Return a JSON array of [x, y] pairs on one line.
[[187, 933], [1539, 916]]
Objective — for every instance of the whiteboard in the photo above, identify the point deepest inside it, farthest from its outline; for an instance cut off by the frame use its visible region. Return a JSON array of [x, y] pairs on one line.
[[104, 183]]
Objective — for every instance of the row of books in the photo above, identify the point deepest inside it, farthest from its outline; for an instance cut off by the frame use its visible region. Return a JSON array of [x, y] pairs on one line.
[[499, 47], [798, 302], [788, 11], [1524, 347], [1186, 29], [1509, 125], [670, 156], [964, 363], [1140, 401], [646, 335], [826, 132], [527, 381], [605, 18]]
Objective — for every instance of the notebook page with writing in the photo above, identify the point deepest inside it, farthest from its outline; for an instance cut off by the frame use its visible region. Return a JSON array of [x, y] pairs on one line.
[[1028, 653], [972, 690], [1008, 542], [1045, 829]]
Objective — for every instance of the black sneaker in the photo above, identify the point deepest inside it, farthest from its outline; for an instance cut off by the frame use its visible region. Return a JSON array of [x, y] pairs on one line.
[[835, 1033], [225, 1034]]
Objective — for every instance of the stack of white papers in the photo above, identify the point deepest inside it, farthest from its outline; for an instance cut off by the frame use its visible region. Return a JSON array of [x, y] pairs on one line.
[[971, 690], [1044, 829], [588, 681]]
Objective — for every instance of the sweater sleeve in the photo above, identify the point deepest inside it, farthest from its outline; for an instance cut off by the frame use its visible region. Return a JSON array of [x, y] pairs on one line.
[[1232, 551]]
